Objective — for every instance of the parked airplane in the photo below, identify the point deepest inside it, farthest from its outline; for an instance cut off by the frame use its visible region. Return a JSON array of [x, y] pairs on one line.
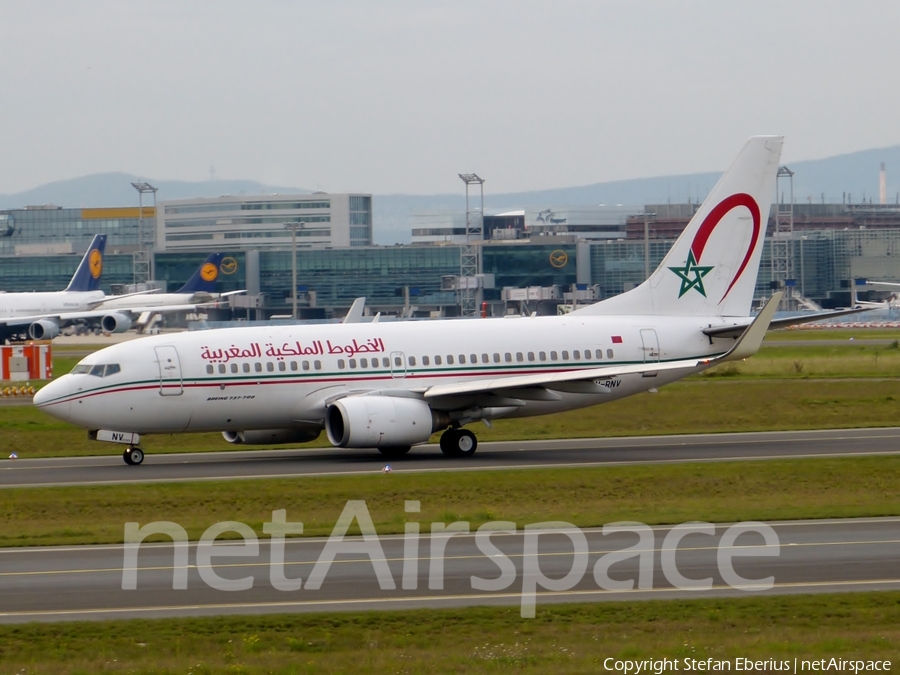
[[35, 314], [118, 314], [392, 385], [39, 316]]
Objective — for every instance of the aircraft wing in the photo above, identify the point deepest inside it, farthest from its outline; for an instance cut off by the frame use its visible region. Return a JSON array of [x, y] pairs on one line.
[[97, 303], [557, 381], [737, 329]]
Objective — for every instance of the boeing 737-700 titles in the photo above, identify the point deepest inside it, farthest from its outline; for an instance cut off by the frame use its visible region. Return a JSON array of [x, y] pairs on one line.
[[392, 385]]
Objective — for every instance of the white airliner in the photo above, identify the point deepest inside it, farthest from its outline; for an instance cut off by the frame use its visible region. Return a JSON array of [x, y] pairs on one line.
[[119, 313], [39, 316], [392, 385]]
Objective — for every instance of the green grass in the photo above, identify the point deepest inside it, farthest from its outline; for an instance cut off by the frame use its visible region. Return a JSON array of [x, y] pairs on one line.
[[834, 334], [584, 496], [563, 639], [816, 361]]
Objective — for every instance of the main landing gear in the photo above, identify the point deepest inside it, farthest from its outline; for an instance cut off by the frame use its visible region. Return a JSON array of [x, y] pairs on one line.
[[458, 443], [133, 455]]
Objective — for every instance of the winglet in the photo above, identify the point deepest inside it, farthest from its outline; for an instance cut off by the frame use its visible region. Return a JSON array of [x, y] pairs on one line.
[[355, 313], [751, 339]]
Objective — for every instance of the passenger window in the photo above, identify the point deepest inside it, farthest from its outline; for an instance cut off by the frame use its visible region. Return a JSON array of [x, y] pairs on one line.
[[398, 361], [531, 356], [609, 353], [270, 366], [599, 353], [318, 365], [462, 358], [485, 358], [293, 365], [426, 361], [449, 359], [234, 368], [221, 367], [542, 356], [553, 356], [496, 357], [306, 365], [507, 357], [246, 368], [257, 367], [282, 366], [364, 363], [412, 360], [473, 358], [353, 363], [576, 354], [341, 364], [565, 355], [386, 362], [437, 360], [209, 369], [520, 357]]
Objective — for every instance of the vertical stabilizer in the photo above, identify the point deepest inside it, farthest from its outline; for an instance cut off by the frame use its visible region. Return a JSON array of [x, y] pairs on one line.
[[711, 269], [87, 276], [204, 279]]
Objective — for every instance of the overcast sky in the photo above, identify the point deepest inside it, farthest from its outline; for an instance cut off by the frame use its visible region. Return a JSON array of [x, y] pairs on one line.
[[400, 96]]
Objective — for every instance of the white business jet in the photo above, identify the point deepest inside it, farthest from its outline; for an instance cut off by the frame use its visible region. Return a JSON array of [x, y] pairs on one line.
[[392, 385]]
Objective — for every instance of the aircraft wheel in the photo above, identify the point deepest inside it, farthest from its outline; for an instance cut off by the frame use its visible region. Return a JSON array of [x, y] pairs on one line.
[[448, 442], [458, 443], [394, 451], [126, 457], [134, 456]]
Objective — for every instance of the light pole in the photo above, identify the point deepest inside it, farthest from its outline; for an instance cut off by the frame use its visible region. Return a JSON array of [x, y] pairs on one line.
[[293, 226]]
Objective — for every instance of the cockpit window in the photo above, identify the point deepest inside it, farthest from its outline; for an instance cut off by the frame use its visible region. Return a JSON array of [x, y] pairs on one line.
[[100, 370]]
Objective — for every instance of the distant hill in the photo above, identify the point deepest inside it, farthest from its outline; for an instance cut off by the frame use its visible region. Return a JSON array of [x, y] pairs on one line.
[[834, 179], [114, 189]]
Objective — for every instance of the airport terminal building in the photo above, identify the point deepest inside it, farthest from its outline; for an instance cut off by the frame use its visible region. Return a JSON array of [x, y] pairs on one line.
[[571, 255]]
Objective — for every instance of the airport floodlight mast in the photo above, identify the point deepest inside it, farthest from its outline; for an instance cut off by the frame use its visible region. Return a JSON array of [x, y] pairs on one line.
[[293, 227], [470, 254], [783, 238], [143, 257]]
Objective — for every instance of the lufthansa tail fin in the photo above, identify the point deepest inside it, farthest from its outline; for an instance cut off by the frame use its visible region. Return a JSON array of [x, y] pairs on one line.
[[204, 279], [87, 276], [711, 269]]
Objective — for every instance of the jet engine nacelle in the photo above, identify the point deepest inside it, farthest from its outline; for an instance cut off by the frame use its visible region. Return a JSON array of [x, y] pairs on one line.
[[45, 329], [115, 323], [271, 436], [381, 421]]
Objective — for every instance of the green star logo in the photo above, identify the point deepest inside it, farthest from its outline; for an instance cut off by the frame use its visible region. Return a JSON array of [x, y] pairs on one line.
[[691, 275]]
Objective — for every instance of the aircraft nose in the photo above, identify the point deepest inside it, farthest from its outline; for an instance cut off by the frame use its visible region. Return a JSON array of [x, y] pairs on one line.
[[51, 398]]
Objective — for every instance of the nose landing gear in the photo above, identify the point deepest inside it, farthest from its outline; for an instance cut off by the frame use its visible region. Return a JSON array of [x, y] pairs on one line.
[[133, 456]]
